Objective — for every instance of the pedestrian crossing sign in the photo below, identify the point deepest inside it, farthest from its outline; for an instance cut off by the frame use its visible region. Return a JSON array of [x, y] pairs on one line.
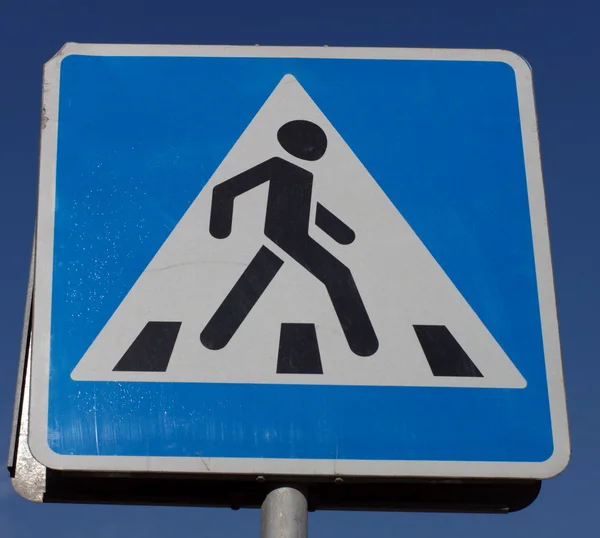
[[297, 261]]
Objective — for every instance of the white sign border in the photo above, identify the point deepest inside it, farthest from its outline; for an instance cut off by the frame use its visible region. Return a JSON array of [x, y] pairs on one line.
[[308, 467]]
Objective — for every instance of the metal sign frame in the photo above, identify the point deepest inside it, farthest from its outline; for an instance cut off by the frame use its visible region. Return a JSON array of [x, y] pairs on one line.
[[426, 485]]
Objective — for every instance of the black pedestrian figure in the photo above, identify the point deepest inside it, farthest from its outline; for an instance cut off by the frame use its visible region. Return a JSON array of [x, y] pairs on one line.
[[286, 224]]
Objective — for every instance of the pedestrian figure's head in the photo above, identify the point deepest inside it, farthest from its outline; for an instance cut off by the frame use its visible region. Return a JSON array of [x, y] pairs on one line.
[[303, 139]]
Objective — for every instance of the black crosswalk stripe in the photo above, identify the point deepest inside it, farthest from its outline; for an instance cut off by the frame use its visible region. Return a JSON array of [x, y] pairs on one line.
[[444, 354], [298, 349], [151, 350]]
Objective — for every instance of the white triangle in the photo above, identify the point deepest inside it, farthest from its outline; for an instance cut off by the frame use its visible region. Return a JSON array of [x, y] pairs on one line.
[[400, 282]]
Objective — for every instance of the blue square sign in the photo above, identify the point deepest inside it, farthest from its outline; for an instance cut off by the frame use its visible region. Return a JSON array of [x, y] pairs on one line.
[[299, 261]]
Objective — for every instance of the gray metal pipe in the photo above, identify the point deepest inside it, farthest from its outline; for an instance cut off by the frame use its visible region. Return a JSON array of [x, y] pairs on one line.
[[284, 514]]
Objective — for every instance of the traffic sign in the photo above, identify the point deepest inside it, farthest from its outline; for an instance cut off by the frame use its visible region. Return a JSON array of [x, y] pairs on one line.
[[294, 261]]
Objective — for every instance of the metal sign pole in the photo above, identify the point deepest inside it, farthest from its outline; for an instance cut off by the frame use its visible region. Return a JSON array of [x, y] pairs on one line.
[[284, 514]]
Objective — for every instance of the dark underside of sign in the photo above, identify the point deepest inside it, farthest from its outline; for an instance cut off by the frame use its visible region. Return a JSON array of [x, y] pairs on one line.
[[340, 494]]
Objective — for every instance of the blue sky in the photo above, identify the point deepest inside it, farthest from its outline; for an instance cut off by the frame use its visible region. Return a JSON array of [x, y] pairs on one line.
[[559, 39]]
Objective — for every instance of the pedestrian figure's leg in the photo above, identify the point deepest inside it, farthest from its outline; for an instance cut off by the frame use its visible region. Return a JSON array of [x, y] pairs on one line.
[[241, 299], [352, 313], [344, 295]]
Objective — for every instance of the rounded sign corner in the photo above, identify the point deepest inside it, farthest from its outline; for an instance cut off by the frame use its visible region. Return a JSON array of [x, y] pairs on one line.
[[558, 461], [519, 64], [23, 490], [40, 449], [68, 49]]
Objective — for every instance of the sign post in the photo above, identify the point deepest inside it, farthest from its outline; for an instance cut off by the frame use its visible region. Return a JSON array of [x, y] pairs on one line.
[[284, 514], [268, 265]]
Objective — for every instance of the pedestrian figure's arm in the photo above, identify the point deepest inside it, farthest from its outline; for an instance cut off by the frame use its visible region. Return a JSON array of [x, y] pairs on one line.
[[224, 194], [333, 226]]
